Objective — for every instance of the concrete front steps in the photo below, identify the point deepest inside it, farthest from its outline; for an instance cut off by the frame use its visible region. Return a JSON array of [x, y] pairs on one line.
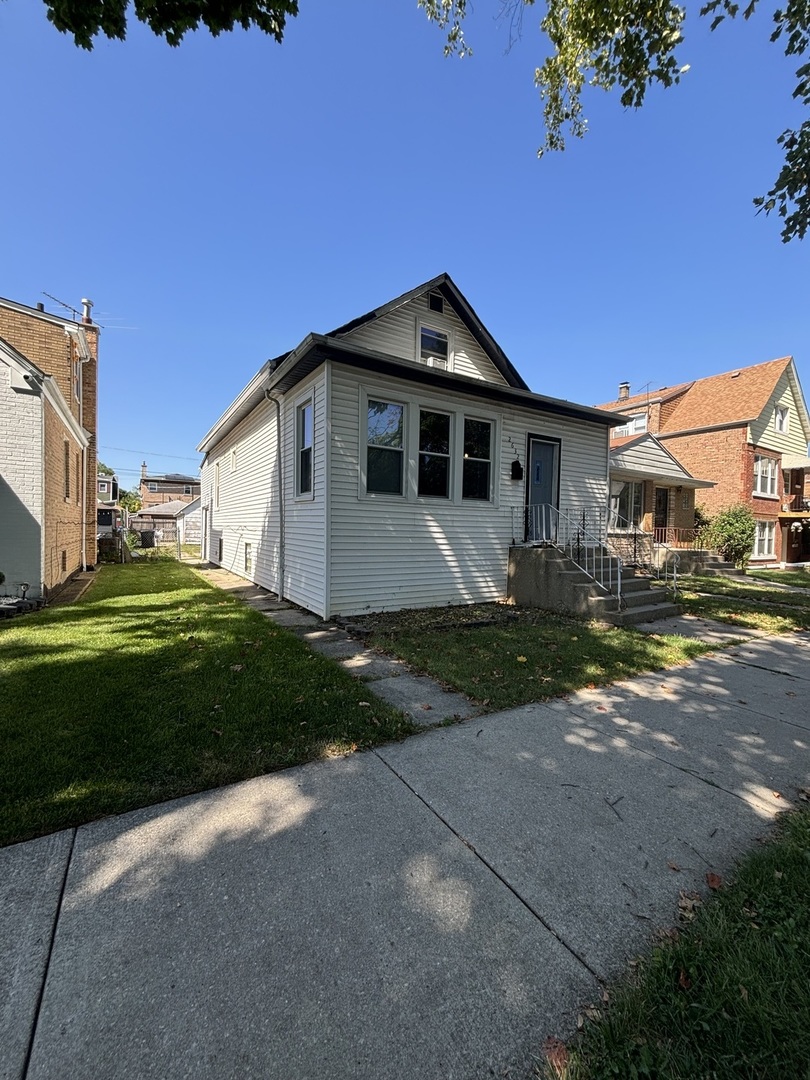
[[706, 563], [545, 577], [643, 601]]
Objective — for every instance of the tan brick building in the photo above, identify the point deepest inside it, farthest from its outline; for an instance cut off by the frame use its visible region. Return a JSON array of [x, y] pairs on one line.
[[48, 426], [748, 431]]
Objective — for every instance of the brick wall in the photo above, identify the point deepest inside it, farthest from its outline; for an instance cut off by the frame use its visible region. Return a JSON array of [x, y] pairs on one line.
[[167, 491], [46, 343], [722, 456], [63, 512]]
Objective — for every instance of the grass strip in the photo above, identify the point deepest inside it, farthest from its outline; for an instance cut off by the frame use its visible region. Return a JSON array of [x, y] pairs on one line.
[[726, 996], [155, 685], [745, 589], [502, 656], [798, 578]]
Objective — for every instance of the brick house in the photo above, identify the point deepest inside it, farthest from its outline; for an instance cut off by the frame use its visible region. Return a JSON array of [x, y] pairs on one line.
[[48, 420], [748, 431], [155, 490]]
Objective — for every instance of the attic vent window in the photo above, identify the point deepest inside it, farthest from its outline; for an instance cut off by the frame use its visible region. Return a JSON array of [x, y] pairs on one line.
[[434, 348], [436, 302]]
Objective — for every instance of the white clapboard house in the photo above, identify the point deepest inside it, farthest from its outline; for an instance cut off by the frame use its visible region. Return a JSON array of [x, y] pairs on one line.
[[389, 463]]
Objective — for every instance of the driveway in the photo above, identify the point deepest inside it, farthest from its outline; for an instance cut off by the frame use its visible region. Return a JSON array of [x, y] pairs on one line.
[[433, 909]]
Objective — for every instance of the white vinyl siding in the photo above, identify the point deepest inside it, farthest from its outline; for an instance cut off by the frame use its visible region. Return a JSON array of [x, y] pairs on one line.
[[248, 505], [649, 459], [397, 335], [389, 552], [248, 511]]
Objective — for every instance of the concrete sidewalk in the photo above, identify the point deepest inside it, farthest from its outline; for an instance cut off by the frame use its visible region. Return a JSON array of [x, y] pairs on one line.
[[433, 909]]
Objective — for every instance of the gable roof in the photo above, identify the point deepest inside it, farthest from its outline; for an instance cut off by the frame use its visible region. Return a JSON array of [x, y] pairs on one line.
[[730, 399], [32, 380], [648, 397], [278, 376], [655, 462], [445, 285]]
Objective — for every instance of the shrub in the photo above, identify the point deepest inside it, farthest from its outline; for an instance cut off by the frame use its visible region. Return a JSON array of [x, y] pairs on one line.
[[732, 533]]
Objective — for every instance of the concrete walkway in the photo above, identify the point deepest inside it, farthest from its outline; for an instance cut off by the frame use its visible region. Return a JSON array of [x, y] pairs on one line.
[[432, 909]]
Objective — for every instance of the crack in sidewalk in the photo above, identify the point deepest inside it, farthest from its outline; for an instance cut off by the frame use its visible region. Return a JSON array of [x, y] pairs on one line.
[[47, 966], [485, 862]]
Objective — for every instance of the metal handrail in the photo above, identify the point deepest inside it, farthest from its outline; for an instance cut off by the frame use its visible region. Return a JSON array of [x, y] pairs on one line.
[[566, 531]]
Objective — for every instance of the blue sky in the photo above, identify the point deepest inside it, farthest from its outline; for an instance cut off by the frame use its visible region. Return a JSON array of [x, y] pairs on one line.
[[220, 200]]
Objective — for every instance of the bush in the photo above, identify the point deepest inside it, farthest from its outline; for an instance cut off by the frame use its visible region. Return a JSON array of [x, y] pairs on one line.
[[732, 533]]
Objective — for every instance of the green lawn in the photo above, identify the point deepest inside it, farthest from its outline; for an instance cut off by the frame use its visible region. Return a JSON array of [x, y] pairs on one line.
[[503, 656], [742, 602], [726, 996], [799, 578], [155, 685]]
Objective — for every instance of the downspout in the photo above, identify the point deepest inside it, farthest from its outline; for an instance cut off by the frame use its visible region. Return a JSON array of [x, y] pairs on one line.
[[276, 401]]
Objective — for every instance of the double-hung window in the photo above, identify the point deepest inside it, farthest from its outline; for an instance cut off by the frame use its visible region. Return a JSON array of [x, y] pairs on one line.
[[304, 445], [386, 447], [765, 470], [434, 454], [764, 540], [102, 486], [434, 347], [780, 419], [477, 469]]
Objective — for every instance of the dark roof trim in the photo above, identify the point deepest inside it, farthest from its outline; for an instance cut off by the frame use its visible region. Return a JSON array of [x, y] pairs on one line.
[[445, 285], [316, 349]]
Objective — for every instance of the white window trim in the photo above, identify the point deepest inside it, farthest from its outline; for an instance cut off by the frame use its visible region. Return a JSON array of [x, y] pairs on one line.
[[437, 328], [300, 404], [413, 404], [102, 485], [633, 428], [770, 535], [233, 460], [784, 412], [216, 485], [772, 476], [151, 485]]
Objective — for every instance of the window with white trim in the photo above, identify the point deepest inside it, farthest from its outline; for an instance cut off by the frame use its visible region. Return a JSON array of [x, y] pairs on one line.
[[303, 442], [434, 347], [248, 558], [636, 426], [764, 540], [102, 485], [152, 485], [187, 489], [477, 469], [781, 419], [434, 454], [765, 471], [385, 449]]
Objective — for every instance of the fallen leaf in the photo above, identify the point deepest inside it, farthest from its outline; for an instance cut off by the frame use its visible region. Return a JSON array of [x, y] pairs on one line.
[[365, 704], [714, 881], [237, 667], [743, 993], [601, 708], [216, 731], [521, 659], [684, 981], [673, 866], [790, 693], [776, 795], [778, 875], [427, 707]]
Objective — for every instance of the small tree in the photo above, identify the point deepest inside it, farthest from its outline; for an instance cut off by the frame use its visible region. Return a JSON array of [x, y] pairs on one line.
[[732, 533]]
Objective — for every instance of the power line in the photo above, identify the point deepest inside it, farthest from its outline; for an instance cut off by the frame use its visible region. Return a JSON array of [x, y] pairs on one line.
[[150, 453]]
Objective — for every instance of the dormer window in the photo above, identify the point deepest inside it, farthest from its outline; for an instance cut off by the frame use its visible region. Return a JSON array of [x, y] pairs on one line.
[[434, 347]]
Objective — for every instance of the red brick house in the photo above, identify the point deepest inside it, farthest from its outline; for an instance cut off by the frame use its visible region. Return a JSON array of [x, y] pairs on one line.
[[155, 490], [48, 395], [748, 431]]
